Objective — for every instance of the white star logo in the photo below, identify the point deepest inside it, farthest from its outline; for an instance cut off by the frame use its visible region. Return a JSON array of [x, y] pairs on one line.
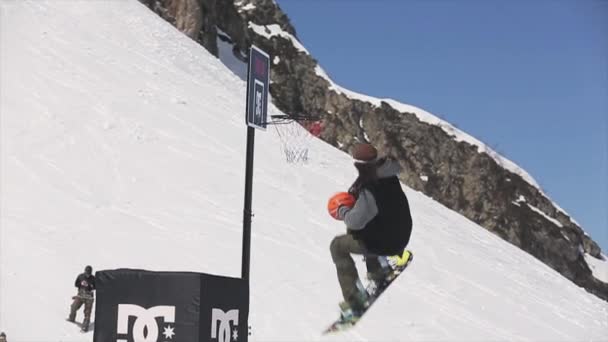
[[168, 332], [235, 334]]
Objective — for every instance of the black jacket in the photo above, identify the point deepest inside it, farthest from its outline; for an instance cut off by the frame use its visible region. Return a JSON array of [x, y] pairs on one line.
[[85, 283], [381, 217]]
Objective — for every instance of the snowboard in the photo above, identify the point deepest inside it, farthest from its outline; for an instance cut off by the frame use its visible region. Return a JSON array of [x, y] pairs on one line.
[[398, 268], [80, 325]]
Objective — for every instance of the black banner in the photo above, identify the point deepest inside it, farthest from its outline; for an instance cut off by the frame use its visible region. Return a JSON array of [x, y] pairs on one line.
[[144, 306], [225, 311]]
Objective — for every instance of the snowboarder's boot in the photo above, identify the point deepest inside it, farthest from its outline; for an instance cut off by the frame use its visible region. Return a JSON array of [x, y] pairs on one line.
[[379, 282], [85, 325], [401, 261], [352, 309], [379, 279], [349, 314]]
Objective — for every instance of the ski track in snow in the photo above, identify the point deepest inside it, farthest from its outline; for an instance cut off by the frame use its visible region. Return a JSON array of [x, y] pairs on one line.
[[123, 145]]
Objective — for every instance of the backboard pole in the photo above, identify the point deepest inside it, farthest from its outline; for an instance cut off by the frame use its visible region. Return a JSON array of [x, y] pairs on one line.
[[247, 211], [258, 82]]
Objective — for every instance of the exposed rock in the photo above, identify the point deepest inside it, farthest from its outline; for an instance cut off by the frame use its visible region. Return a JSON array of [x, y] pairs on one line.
[[454, 173], [185, 15]]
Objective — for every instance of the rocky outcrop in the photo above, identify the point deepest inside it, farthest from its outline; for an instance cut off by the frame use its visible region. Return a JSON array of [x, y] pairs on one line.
[[185, 15], [453, 172]]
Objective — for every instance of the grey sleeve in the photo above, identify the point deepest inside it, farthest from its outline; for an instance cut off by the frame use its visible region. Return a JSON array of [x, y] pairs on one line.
[[365, 210]]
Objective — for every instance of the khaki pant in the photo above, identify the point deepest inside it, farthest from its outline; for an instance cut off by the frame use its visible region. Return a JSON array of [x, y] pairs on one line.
[[88, 308], [341, 249]]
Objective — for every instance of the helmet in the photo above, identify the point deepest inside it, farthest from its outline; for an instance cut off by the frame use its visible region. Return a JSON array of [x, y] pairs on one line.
[[337, 200], [88, 270], [364, 153]]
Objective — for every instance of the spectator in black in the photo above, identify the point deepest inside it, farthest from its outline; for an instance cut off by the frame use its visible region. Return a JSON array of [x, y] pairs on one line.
[[85, 282]]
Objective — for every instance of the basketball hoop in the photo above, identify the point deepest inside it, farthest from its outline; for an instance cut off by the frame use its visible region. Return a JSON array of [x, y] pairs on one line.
[[296, 133]]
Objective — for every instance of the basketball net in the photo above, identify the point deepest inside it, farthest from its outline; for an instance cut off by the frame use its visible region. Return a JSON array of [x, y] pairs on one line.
[[295, 135]]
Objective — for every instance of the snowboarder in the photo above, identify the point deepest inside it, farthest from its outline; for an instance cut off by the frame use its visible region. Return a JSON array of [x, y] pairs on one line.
[[2, 337], [85, 282], [378, 225]]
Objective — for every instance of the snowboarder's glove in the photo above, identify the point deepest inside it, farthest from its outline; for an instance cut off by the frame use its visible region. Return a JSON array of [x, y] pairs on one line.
[[342, 210]]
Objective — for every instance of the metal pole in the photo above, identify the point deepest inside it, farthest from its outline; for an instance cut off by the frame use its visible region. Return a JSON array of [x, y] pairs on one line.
[[247, 211]]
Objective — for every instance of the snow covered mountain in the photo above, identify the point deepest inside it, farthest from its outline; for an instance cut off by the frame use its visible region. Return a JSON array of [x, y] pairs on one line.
[[122, 144], [445, 163]]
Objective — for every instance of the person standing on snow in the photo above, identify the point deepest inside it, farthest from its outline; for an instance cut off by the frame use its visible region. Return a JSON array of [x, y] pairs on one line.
[[85, 282], [378, 225], [2, 337]]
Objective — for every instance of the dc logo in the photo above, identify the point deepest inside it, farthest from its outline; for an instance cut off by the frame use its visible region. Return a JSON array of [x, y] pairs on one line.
[[145, 328], [224, 332], [259, 94]]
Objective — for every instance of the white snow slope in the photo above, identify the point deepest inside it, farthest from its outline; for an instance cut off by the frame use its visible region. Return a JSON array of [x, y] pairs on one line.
[[123, 145]]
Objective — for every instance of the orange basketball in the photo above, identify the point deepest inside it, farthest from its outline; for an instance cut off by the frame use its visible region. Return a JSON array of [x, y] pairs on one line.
[[338, 200]]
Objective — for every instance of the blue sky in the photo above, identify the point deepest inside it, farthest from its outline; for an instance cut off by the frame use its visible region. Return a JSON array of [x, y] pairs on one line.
[[529, 78]]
